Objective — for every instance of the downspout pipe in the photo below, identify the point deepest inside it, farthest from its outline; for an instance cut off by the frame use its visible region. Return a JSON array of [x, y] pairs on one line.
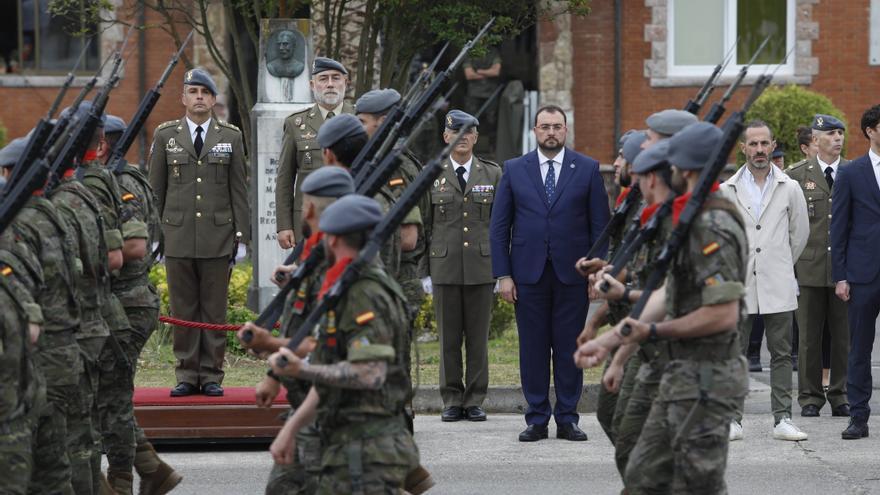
[[618, 76]]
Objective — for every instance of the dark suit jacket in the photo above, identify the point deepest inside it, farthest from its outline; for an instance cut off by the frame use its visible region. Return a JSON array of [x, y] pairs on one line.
[[855, 223], [526, 230]]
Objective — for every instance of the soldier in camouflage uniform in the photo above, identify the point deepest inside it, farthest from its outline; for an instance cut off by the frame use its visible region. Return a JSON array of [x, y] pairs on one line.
[[683, 445], [360, 385]]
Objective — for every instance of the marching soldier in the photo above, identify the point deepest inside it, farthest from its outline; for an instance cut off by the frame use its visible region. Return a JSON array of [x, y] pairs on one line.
[[360, 385], [198, 173], [461, 270], [818, 306], [300, 151]]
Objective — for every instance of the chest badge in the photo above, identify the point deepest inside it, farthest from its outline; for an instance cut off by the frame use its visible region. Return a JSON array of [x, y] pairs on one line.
[[810, 185], [172, 147], [309, 135]]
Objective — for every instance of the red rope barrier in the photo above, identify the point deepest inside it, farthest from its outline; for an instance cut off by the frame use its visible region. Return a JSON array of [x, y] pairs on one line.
[[202, 326]]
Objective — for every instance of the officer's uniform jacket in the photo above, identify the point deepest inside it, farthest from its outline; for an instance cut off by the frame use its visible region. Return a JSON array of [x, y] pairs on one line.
[[813, 268], [458, 230], [300, 155], [201, 199]]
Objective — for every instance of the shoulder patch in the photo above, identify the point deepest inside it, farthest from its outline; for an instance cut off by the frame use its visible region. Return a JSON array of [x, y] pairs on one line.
[[364, 318], [396, 182], [711, 248], [5, 270], [489, 162], [223, 123], [127, 197], [170, 123], [794, 166]]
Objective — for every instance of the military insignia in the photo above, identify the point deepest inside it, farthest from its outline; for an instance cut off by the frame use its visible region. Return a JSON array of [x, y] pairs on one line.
[[364, 318], [361, 342], [189, 76], [820, 121], [443, 181], [307, 158], [714, 280], [298, 121], [309, 135], [6, 271], [222, 148], [395, 182], [436, 183], [810, 185], [302, 127], [449, 120], [127, 197], [331, 341], [172, 147], [711, 248]]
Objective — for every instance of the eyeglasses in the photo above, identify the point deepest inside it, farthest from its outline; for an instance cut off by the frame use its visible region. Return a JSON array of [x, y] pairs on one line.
[[548, 127]]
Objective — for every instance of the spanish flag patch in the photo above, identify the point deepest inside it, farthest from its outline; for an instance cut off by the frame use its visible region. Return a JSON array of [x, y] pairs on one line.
[[395, 182], [127, 197], [6, 271], [364, 318], [710, 248]]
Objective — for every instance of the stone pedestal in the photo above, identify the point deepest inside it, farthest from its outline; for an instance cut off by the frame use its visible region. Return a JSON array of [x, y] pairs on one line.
[[277, 97]]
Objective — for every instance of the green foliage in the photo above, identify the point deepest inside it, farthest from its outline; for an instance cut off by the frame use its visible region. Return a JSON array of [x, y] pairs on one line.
[[785, 109], [503, 318], [83, 16], [2, 136]]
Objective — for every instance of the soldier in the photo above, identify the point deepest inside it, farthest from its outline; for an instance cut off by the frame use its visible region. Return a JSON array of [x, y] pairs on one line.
[[683, 445], [818, 307], [461, 269], [198, 172], [300, 152], [140, 299], [483, 76], [665, 123], [360, 385]]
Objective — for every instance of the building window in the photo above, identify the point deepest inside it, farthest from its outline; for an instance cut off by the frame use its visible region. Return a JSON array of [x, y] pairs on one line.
[[33, 41], [700, 33]]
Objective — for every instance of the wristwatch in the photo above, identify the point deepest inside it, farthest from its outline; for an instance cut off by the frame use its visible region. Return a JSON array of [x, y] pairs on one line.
[[652, 333], [272, 375], [625, 296]]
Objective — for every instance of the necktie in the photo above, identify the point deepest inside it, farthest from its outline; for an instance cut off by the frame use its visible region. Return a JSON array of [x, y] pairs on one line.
[[550, 181], [461, 182], [198, 143], [330, 115], [828, 178]]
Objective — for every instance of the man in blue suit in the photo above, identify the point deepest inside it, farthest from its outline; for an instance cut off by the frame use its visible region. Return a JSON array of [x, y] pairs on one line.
[[855, 235], [550, 207]]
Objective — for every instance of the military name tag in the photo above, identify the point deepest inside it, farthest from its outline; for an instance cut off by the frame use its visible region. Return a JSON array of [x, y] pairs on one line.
[[810, 185]]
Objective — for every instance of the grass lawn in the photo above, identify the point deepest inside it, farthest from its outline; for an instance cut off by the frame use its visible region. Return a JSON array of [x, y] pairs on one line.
[[156, 364]]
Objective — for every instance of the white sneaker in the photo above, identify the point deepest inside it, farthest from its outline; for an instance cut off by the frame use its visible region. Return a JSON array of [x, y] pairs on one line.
[[786, 430], [736, 431]]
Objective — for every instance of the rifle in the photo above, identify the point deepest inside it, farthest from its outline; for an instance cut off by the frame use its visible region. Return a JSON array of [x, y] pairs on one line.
[[381, 233], [618, 217], [733, 128], [117, 162], [694, 106], [714, 114]]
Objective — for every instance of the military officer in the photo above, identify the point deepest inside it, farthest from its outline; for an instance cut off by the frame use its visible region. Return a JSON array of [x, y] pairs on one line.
[[461, 269], [198, 172], [300, 151], [683, 445], [360, 384], [818, 307]]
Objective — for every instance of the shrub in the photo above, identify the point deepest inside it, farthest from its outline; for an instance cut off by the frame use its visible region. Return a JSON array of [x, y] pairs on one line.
[[785, 109], [2, 136], [503, 318]]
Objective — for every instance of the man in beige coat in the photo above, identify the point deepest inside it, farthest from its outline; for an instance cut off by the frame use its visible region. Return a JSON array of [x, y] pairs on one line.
[[775, 215]]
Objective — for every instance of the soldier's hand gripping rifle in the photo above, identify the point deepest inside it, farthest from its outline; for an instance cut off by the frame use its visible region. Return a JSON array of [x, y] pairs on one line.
[[629, 204], [714, 114], [694, 106], [380, 235], [733, 128], [116, 161]]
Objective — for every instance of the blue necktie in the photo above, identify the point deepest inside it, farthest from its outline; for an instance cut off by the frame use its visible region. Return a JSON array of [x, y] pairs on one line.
[[550, 181]]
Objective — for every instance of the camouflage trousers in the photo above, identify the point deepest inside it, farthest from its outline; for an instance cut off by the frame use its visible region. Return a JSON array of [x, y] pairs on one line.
[[143, 321], [645, 378], [115, 408], [84, 444], [696, 463], [16, 456], [630, 369], [301, 476], [605, 405]]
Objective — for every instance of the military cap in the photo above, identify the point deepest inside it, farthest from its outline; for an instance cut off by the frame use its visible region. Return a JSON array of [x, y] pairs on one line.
[[377, 101], [652, 158], [339, 127], [624, 137], [668, 122], [456, 119], [113, 124], [633, 145], [2, 182], [691, 148], [200, 77], [84, 107], [779, 151], [12, 151], [328, 182], [826, 123], [351, 213], [321, 64]]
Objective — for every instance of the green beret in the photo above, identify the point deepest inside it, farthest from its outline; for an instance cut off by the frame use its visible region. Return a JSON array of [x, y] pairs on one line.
[[351, 213], [328, 182]]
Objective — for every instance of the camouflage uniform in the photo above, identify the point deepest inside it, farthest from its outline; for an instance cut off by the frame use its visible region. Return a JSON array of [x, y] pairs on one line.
[[683, 445], [365, 445], [413, 263]]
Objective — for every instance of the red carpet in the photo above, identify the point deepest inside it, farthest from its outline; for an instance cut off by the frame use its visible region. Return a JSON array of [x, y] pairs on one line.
[[159, 396]]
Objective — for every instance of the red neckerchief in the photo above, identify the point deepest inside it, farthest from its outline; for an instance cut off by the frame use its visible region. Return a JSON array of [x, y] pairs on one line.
[[648, 212], [311, 242], [678, 204], [620, 197], [69, 173], [333, 275], [90, 156]]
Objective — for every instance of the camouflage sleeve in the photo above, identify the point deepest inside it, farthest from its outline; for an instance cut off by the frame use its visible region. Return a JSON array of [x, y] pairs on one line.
[[366, 324], [107, 204], [717, 244]]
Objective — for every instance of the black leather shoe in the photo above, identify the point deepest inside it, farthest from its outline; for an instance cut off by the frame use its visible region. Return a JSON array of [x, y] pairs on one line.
[[570, 431], [212, 389], [856, 429], [183, 389], [755, 364], [452, 413], [475, 413], [810, 411], [533, 433], [841, 410]]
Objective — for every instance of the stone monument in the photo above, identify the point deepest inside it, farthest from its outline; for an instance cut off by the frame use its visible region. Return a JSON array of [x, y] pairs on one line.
[[282, 89]]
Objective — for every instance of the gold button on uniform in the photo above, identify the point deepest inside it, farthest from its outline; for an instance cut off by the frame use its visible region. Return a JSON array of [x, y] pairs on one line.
[[466, 244], [198, 179], [465, 229], [198, 214], [198, 197], [465, 214], [200, 162]]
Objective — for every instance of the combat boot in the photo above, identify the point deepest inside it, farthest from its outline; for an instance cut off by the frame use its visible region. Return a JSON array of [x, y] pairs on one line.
[[120, 482], [418, 481], [157, 478]]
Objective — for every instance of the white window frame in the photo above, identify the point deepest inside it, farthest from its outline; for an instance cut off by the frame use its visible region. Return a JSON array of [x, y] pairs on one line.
[[695, 71]]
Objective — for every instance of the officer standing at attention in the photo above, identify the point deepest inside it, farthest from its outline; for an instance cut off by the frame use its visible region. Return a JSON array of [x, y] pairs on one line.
[[360, 384], [198, 172], [817, 304], [300, 151], [461, 269]]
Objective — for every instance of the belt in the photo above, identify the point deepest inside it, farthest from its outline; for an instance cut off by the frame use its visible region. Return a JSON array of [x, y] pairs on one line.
[[57, 338], [698, 350], [362, 429], [650, 352]]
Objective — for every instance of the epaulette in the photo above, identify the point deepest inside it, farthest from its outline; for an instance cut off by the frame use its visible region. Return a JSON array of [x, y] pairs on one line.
[[795, 165], [488, 162], [170, 123], [223, 123]]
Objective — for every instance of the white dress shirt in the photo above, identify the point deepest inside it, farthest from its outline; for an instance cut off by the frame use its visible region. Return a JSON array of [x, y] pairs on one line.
[[192, 129], [557, 164], [875, 161], [833, 166], [756, 192], [466, 165]]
